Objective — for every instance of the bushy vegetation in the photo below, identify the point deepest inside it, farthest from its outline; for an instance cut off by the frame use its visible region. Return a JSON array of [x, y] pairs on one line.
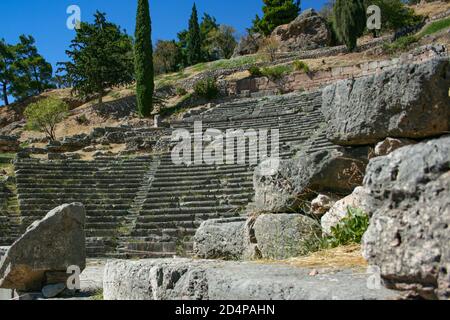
[[45, 114], [206, 88], [180, 91], [101, 57], [350, 230], [255, 71], [301, 66], [401, 44], [273, 73], [276, 72]]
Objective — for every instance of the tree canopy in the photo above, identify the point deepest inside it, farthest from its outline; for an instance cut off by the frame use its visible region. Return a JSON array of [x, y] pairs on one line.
[[23, 71], [101, 57], [276, 13]]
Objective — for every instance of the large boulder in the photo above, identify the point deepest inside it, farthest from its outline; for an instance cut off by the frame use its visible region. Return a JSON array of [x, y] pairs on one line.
[[220, 239], [248, 44], [337, 171], [410, 101], [282, 236], [408, 236], [307, 32], [47, 248], [185, 279]]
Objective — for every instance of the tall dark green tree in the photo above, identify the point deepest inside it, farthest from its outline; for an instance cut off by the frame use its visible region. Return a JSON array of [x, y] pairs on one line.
[[194, 39], [276, 13], [143, 57], [7, 58], [349, 21], [101, 57], [32, 73]]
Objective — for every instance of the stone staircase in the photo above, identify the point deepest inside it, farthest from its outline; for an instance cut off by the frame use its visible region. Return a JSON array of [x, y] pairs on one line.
[[10, 220], [106, 186], [150, 207]]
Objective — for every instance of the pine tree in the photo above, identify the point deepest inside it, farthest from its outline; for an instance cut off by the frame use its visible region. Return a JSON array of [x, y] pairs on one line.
[[101, 57], [145, 84], [7, 58], [276, 13], [32, 73], [349, 21], [194, 39]]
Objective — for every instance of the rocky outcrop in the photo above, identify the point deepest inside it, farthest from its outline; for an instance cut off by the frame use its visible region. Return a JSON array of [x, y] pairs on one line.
[[46, 250], [358, 200], [282, 236], [337, 170], [307, 32], [248, 44], [389, 145], [408, 236], [220, 239], [410, 101], [184, 279]]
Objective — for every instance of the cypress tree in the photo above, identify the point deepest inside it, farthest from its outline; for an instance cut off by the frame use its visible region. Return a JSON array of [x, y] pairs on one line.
[[194, 41], [349, 21], [143, 56]]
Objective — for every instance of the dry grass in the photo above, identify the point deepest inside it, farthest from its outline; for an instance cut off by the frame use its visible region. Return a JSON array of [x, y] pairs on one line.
[[432, 8], [341, 257]]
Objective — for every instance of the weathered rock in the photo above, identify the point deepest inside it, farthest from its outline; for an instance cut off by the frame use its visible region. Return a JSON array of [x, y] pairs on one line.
[[184, 279], [321, 204], [410, 101], [220, 239], [307, 32], [53, 290], [248, 45], [282, 236], [408, 236], [9, 144], [358, 199], [389, 145], [337, 171], [69, 144], [49, 245]]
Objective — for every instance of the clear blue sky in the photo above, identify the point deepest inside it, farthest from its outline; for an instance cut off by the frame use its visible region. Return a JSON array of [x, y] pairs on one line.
[[45, 20]]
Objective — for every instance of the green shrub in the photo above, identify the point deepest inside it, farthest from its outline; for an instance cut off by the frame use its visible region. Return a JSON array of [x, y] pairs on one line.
[[350, 229], [45, 114], [401, 44], [301, 66], [181, 91], [277, 72], [82, 120], [255, 71], [206, 88]]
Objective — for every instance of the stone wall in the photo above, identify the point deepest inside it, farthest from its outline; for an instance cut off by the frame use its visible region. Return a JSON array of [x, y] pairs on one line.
[[309, 81]]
